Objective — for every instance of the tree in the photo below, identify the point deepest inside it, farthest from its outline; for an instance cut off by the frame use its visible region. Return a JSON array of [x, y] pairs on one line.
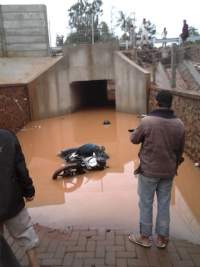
[[59, 40], [82, 17], [193, 31], [125, 22], [104, 31], [151, 29]]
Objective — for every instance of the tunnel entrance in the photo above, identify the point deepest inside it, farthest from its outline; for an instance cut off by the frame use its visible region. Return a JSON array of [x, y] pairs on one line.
[[98, 93]]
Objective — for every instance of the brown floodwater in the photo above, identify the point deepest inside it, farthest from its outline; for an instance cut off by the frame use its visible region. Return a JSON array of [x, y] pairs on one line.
[[100, 198]]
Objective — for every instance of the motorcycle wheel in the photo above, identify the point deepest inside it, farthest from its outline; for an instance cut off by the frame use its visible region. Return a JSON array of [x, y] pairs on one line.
[[67, 171]]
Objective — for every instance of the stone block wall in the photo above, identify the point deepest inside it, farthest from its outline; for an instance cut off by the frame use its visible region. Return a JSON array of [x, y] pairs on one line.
[[186, 107], [14, 107], [193, 52]]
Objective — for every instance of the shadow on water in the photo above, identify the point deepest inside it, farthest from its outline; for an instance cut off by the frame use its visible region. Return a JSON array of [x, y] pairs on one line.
[[100, 198]]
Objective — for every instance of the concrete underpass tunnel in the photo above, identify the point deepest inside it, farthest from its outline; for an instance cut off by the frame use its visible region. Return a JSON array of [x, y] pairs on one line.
[[99, 93]]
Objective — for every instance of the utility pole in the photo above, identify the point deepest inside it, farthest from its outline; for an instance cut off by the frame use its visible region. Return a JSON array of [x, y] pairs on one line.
[[92, 29], [3, 51], [111, 19], [132, 31]]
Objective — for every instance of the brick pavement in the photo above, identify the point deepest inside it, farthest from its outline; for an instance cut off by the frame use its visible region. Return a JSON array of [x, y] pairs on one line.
[[105, 247]]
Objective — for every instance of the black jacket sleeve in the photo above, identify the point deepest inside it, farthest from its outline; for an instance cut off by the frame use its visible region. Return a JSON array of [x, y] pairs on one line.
[[22, 173], [7, 258]]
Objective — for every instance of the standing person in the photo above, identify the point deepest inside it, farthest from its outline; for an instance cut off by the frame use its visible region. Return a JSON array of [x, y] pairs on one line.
[[164, 37], [161, 135], [185, 31], [15, 186], [144, 33]]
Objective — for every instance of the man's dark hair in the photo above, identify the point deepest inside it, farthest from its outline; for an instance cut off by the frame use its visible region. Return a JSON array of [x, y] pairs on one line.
[[164, 99]]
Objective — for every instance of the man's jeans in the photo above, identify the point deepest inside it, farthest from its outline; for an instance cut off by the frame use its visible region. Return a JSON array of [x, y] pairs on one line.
[[147, 187]]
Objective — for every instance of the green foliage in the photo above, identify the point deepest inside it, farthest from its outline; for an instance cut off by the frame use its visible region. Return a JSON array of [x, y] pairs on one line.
[[101, 34], [125, 22], [105, 33], [193, 31], [59, 40], [82, 15], [151, 29]]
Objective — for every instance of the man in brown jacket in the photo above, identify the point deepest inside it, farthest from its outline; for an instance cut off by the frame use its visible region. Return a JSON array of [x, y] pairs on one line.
[[161, 135]]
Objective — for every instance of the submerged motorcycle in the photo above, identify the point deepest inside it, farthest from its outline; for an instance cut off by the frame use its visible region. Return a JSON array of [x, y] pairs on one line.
[[80, 160]]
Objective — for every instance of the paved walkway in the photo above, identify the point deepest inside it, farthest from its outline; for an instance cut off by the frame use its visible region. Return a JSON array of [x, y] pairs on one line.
[[105, 247]]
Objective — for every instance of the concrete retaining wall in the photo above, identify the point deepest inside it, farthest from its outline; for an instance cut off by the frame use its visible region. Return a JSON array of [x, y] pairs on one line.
[[131, 85], [90, 62], [24, 30], [49, 94], [186, 107], [190, 75], [54, 92]]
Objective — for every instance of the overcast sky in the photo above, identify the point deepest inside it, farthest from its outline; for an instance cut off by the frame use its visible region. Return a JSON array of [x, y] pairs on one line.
[[169, 14]]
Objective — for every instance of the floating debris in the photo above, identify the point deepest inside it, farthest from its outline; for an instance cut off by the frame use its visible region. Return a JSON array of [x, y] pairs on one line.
[[31, 128], [106, 122]]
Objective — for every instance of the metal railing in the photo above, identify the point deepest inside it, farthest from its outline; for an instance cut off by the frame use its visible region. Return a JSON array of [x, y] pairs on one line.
[[129, 44]]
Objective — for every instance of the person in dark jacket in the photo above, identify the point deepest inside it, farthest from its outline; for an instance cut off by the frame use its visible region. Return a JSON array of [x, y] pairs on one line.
[[185, 31], [7, 258], [161, 135], [16, 186]]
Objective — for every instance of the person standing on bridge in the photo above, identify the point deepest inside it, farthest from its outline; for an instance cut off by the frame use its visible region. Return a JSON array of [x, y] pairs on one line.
[[185, 31], [15, 187], [164, 37], [161, 135], [144, 33]]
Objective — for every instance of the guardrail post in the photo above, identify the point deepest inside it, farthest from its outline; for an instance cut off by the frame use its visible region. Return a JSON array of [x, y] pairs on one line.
[[154, 66], [173, 65]]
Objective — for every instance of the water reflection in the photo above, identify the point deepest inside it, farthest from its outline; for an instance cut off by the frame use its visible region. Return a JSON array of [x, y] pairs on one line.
[[101, 198]]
